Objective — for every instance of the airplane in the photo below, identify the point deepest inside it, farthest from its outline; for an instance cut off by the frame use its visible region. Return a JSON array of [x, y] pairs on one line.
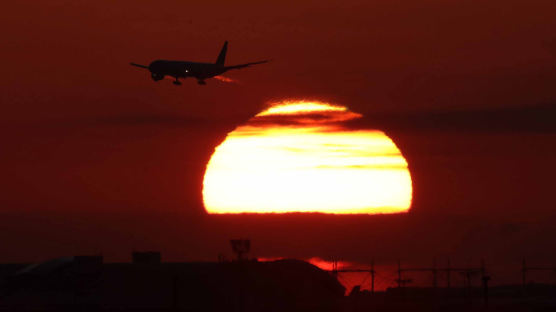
[[183, 69]]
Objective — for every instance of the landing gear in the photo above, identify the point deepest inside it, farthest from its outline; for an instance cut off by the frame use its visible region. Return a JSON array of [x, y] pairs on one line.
[[176, 82], [201, 82]]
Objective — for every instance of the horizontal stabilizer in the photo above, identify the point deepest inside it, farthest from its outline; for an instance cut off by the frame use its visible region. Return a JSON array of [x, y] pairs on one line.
[[139, 65], [246, 64]]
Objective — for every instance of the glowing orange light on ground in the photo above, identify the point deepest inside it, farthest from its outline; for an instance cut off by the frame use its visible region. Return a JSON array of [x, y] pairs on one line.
[[299, 157]]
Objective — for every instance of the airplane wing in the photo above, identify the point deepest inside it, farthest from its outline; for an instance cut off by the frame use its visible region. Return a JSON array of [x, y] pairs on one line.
[[139, 65], [246, 65]]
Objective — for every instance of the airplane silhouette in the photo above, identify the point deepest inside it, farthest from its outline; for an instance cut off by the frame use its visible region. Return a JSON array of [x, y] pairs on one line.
[[183, 69]]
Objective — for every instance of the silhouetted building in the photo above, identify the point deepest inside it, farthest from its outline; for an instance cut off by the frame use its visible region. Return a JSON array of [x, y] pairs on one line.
[[88, 283]]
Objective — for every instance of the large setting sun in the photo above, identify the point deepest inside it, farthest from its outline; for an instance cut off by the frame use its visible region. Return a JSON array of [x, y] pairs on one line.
[[302, 156]]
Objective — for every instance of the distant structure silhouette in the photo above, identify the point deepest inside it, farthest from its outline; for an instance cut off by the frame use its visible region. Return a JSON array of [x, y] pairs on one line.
[[525, 269], [240, 247], [86, 283]]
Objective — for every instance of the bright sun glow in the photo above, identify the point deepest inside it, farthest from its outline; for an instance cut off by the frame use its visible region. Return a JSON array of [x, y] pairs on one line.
[[286, 108], [301, 157]]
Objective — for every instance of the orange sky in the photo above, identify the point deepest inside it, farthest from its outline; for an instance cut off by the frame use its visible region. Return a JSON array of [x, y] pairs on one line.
[[95, 148], [376, 56]]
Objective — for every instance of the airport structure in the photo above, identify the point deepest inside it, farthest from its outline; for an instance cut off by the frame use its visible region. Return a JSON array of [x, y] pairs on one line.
[[87, 283]]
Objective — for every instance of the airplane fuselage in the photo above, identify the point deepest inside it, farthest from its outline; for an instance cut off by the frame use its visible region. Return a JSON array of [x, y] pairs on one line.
[[200, 71], [181, 69]]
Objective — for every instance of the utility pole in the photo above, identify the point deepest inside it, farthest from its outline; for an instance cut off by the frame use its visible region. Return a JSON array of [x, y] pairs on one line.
[[526, 269], [335, 270]]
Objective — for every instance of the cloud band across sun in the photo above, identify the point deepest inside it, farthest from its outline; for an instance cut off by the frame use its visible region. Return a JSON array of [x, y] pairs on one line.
[[299, 157]]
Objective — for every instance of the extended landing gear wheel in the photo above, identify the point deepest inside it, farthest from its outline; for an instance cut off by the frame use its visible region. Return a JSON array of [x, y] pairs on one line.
[[201, 82], [177, 82]]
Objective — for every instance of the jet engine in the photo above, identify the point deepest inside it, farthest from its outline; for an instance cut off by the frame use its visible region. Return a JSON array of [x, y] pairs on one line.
[[157, 77]]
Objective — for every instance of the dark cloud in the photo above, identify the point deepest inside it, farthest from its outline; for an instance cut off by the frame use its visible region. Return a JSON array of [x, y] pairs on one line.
[[329, 118], [533, 119], [525, 119]]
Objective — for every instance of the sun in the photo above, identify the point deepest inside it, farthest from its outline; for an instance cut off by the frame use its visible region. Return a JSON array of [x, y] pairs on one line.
[[301, 156]]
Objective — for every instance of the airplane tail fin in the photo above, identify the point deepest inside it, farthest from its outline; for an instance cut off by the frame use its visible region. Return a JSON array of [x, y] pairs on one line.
[[222, 56]]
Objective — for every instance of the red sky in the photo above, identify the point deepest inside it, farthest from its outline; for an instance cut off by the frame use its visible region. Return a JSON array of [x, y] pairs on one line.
[[96, 157]]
